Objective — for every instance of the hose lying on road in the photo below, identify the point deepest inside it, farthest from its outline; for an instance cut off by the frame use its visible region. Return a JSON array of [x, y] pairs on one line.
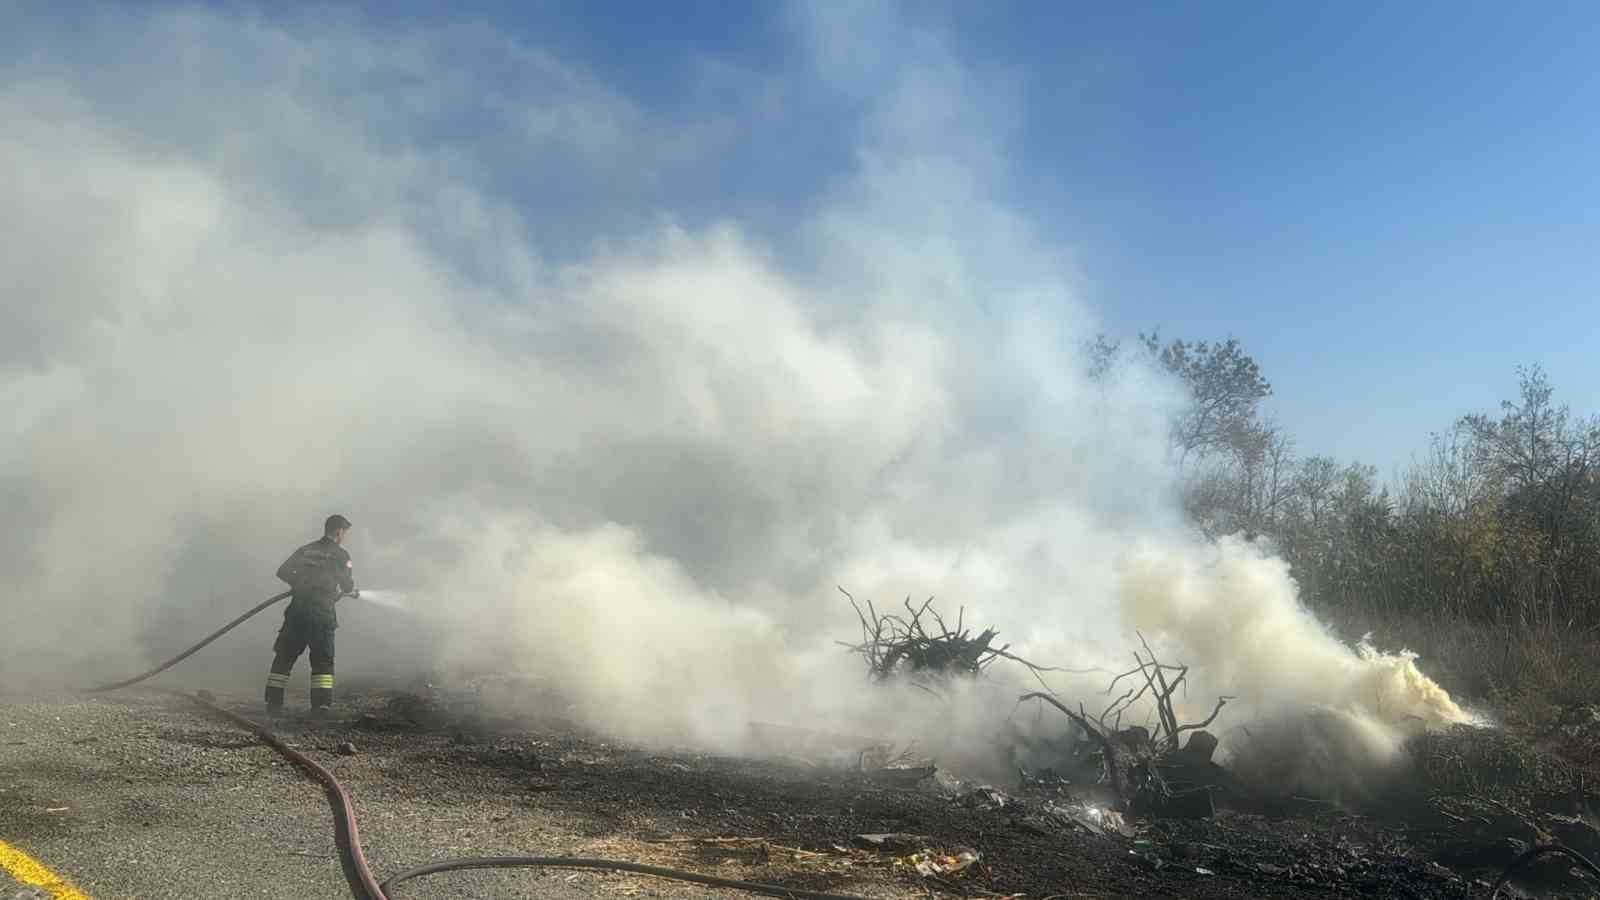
[[1534, 854], [363, 884], [578, 862]]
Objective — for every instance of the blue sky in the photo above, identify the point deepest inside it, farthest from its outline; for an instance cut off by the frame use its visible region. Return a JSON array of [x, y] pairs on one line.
[[1392, 206]]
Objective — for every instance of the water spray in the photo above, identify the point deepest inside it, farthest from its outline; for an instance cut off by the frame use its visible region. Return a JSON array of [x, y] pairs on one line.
[[388, 599]]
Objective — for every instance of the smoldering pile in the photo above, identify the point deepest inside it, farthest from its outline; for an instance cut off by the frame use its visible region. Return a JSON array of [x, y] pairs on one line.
[[1145, 762], [1131, 763], [1147, 743]]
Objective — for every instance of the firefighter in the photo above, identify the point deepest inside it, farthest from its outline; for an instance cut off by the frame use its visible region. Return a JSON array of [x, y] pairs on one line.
[[319, 574]]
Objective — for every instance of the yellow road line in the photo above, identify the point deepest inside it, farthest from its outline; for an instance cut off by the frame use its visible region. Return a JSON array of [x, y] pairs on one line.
[[31, 872]]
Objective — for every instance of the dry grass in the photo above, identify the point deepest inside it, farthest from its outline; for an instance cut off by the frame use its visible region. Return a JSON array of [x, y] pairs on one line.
[[1469, 761], [1531, 682], [743, 858], [1489, 665]]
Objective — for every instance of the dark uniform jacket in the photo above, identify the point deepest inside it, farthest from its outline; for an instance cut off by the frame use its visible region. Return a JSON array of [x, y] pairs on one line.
[[318, 573]]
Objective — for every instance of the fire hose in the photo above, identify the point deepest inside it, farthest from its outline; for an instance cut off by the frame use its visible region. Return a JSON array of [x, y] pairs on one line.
[[1542, 850], [363, 883]]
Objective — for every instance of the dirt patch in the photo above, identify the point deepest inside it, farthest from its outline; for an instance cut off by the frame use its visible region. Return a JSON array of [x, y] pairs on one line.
[[798, 825]]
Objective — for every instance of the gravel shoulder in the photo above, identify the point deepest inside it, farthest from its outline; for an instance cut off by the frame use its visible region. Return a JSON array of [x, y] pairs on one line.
[[140, 794]]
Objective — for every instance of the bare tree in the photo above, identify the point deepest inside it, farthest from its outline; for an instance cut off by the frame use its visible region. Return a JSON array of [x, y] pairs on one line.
[[1225, 388], [1449, 480], [1544, 460]]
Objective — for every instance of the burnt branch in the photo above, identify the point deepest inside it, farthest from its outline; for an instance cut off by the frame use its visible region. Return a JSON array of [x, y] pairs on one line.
[[1119, 760], [1221, 702], [1131, 672], [920, 643], [1168, 731], [1115, 707]]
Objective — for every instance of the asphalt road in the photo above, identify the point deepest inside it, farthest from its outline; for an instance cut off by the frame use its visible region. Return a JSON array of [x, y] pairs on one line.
[[141, 795]]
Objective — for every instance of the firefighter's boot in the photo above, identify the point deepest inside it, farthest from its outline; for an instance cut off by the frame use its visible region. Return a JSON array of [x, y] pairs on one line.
[[276, 682], [321, 690]]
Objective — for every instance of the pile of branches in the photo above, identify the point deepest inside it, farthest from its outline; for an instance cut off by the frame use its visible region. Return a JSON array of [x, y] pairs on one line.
[[1153, 673], [920, 644], [1130, 755]]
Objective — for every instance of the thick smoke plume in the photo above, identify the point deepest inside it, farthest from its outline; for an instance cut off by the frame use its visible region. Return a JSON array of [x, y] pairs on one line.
[[1311, 713], [597, 428]]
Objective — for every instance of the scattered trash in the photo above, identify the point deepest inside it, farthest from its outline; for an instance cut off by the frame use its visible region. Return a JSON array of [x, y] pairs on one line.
[[1093, 819], [985, 797], [56, 809], [931, 863], [902, 776], [894, 842], [918, 852]]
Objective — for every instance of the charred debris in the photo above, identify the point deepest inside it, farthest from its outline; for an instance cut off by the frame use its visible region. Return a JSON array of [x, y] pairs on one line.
[[1125, 777], [1162, 767], [1486, 812]]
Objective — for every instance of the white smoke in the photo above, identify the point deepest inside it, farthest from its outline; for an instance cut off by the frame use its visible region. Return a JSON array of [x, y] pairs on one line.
[[265, 278], [1310, 712], [1232, 610]]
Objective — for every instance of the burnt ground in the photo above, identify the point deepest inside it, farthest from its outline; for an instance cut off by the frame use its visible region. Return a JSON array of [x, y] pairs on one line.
[[1472, 801], [141, 795]]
